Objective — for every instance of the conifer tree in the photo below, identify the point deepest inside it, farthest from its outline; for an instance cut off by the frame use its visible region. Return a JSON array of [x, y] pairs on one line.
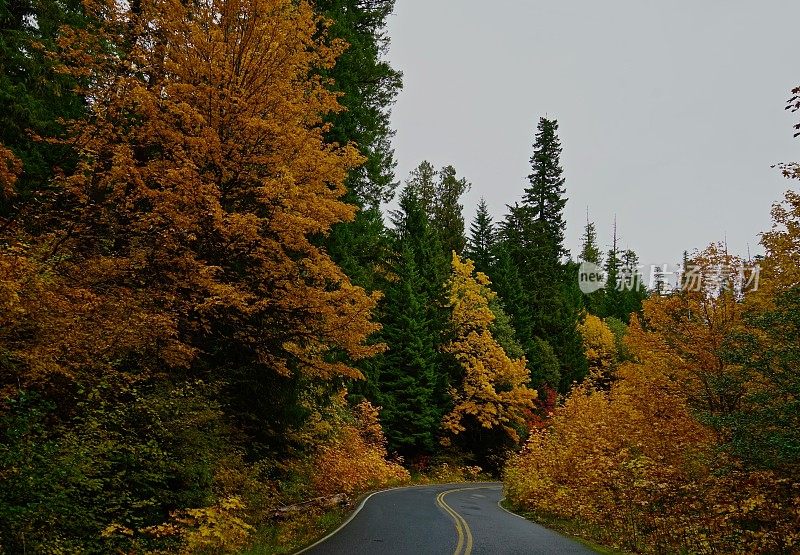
[[422, 182], [34, 97], [368, 86], [590, 252], [507, 283], [612, 293], [448, 217], [411, 380], [503, 331], [634, 291], [533, 236], [545, 195], [481, 240], [407, 378]]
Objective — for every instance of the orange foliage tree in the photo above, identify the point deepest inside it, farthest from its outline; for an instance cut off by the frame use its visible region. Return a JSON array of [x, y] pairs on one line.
[[202, 182], [353, 458], [183, 245], [636, 466]]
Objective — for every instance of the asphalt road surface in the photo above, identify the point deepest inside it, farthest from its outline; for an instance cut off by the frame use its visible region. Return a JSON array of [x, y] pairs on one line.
[[457, 519]]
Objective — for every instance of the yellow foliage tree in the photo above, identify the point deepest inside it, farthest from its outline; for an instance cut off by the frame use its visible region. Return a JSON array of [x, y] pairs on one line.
[[600, 348], [493, 392], [780, 269]]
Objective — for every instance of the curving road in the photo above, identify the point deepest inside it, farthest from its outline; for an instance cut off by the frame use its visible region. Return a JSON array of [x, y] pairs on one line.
[[450, 519]]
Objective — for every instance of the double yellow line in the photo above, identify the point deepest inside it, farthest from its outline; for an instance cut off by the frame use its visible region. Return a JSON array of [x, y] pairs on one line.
[[464, 546]]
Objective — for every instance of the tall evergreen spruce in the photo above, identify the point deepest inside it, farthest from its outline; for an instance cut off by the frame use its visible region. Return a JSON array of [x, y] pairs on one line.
[[448, 217], [507, 283], [533, 236], [33, 96], [590, 252], [481, 239], [411, 381], [439, 193], [634, 292], [422, 182], [368, 86], [407, 379], [613, 301]]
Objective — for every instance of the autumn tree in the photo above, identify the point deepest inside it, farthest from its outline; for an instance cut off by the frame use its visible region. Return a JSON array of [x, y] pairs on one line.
[[649, 460], [184, 246], [492, 394], [687, 332], [600, 348], [763, 429]]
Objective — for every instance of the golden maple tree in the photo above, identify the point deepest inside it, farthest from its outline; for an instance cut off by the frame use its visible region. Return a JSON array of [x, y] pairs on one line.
[[203, 180], [493, 392], [599, 346]]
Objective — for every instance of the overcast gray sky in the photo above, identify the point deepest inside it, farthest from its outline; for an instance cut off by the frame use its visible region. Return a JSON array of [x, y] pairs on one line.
[[671, 113]]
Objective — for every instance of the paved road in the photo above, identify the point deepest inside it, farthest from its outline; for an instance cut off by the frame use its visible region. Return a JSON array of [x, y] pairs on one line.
[[458, 519]]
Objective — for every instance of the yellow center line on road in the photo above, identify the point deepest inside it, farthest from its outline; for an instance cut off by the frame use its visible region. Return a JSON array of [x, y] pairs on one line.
[[462, 528]]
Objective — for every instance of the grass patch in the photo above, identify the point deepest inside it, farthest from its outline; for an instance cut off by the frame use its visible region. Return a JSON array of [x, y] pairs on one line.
[[574, 529], [294, 534]]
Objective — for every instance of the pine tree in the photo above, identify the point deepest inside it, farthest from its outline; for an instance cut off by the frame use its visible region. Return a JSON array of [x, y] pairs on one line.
[[545, 195], [482, 239], [612, 294], [533, 236], [422, 182], [34, 96], [411, 379], [412, 226], [503, 331], [448, 217], [439, 193], [407, 379], [507, 283], [590, 252], [368, 86], [634, 291]]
